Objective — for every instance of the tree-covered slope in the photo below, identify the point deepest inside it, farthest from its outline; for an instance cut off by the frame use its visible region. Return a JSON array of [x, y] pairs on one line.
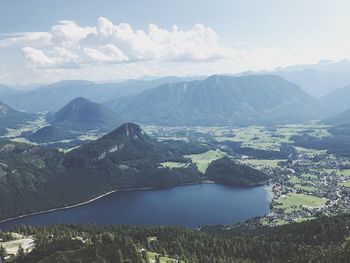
[[11, 118], [50, 134], [226, 171], [338, 142], [337, 99], [324, 239], [38, 178], [342, 118], [81, 114], [222, 100]]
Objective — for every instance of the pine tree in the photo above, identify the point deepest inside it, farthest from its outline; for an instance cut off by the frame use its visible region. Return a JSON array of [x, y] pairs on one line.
[[119, 257], [20, 252], [3, 252]]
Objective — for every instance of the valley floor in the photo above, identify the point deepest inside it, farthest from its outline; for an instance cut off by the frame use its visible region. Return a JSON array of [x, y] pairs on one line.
[[306, 183]]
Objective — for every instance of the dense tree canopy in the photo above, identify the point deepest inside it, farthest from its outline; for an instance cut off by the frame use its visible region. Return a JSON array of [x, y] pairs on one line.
[[321, 240]]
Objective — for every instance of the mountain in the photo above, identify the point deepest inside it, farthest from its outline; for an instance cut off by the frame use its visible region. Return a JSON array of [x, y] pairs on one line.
[[37, 178], [337, 99], [128, 144], [83, 115], [11, 118], [222, 100], [317, 79], [342, 118], [6, 91], [50, 134], [54, 96]]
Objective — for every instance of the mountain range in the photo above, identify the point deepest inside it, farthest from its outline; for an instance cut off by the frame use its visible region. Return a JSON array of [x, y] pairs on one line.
[[222, 100], [317, 79], [54, 96]]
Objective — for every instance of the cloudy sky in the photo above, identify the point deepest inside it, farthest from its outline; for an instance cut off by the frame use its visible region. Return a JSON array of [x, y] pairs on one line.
[[47, 41]]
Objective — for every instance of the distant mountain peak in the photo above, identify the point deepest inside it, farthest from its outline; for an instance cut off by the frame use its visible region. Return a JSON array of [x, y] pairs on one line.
[[72, 82], [127, 130], [80, 100], [83, 114], [217, 78]]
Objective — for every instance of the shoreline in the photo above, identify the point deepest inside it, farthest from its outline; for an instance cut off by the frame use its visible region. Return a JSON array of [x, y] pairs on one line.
[[75, 205], [269, 191], [104, 195]]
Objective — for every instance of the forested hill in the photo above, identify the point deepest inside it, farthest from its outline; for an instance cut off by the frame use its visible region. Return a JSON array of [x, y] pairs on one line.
[[226, 171], [324, 239], [81, 114]]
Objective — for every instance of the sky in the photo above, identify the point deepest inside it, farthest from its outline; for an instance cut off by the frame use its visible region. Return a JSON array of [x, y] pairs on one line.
[[46, 41]]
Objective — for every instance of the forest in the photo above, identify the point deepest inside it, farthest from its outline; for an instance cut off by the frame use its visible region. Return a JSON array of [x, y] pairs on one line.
[[321, 240]]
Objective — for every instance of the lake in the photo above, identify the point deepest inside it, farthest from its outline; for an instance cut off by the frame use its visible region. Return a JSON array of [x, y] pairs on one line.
[[189, 206]]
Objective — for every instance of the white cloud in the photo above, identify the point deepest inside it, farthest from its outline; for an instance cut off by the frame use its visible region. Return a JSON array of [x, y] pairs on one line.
[[68, 44], [106, 53], [37, 56], [68, 33], [29, 38], [54, 57]]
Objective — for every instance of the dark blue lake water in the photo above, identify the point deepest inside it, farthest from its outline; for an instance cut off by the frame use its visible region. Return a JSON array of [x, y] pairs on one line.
[[188, 206]]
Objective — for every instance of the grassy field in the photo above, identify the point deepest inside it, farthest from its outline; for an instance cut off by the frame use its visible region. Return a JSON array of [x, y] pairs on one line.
[[311, 152], [90, 136], [261, 163], [22, 140], [319, 133], [29, 126], [303, 219], [305, 188], [299, 183], [345, 172], [295, 180], [173, 165], [293, 201], [254, 137], [152, 257], [309, 175], [346, 184], [204, 159], [281, 222]]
